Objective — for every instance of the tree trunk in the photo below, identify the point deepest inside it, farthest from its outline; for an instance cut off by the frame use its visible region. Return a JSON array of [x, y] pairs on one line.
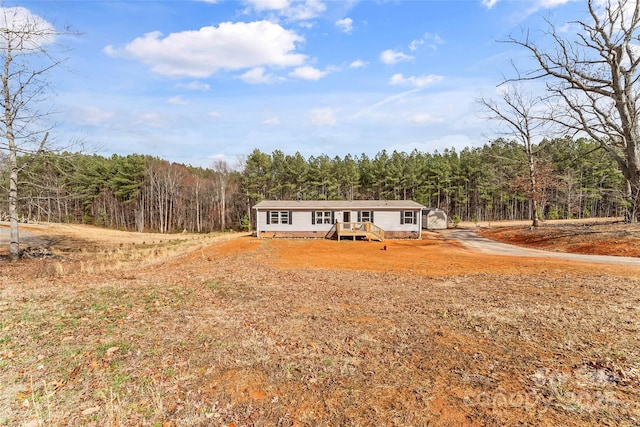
[[14, 238], [534, 188], [223, 206], [14, 242], [633, 204]]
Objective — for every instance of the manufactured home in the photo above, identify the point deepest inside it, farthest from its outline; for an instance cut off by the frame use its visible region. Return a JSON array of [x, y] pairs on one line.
[[339, 219]]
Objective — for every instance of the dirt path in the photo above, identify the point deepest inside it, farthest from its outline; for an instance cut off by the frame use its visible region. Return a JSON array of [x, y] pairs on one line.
[[473, 241]]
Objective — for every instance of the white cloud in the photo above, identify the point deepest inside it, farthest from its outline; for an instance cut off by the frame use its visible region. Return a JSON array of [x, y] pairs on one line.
[[432, 41], [214, 115], [268, 5], [396, 98], [415, 44], [95, 115], [177, 100], [308, 73], [552, 3], [274, 121], [424, 118], [257, 76], [111, 51], [38, 32], [322, 117], [544, 4], [195, 86], [345, 25], [421, 81], [154, 120], [358, 64], [307, 25], [297, 10], [489, 3], [392, 57], [308, 9], [202, 53]]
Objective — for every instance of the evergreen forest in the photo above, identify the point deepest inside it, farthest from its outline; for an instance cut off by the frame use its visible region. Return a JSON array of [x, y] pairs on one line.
[[576, 179]]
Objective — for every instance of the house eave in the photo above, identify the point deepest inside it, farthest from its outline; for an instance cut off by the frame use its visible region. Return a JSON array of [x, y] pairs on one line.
[[338, 205]]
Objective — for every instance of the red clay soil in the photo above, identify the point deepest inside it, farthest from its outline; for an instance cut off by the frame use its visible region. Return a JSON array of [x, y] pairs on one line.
[[434, 256], [251, 332]]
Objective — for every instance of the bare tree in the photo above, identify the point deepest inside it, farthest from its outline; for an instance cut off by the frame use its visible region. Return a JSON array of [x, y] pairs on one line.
[[594, 78], [165, 181], [25, 62], [522, 118], [222, 177]]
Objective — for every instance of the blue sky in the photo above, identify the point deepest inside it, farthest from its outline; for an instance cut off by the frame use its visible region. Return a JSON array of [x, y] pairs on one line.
[[198, 81]]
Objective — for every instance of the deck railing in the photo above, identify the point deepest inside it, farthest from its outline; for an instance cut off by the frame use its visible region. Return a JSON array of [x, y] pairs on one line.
[[362, 229]]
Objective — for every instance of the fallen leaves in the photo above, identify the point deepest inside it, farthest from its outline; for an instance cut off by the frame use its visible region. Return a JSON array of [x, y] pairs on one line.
[[297, 347], [91, 410], [257, 394], [110, 351]]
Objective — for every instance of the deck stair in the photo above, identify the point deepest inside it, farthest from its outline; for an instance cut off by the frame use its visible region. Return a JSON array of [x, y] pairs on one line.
[[363, 230]]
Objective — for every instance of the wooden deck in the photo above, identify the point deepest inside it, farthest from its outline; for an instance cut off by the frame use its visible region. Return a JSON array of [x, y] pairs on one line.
[[355, 230]]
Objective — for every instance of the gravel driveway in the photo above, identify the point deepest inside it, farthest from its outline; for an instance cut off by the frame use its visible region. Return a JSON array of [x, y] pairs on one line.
[[481, 244]]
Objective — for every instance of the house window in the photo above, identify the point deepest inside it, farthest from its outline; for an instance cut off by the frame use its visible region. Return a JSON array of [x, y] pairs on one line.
[[279, 217], [323, 217], [365, 216], [408, 217]]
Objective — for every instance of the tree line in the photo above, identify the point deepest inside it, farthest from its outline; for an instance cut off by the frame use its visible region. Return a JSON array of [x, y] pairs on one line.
[[576, 179], [133, 192], [137, 192]]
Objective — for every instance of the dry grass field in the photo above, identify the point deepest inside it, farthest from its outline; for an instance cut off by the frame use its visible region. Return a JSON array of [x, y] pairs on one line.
[[126, 329]]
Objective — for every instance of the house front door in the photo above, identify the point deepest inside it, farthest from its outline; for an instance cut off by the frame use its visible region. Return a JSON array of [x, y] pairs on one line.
[[346, 216]]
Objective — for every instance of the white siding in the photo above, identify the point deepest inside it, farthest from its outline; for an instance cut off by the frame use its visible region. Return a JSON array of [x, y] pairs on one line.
[[388, 220], [301, 222], [434, 219]]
